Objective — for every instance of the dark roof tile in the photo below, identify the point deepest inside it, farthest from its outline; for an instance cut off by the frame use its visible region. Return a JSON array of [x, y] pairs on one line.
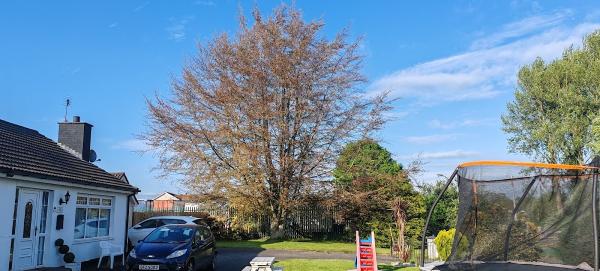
[[24, 151]]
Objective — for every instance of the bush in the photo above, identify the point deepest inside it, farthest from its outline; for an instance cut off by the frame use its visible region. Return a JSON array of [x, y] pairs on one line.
[[443, 241], [368, 182]]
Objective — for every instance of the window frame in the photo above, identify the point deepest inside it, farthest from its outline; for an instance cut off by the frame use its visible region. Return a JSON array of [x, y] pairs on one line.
[[179, 221], [198, 237], [97, 203], [153, 220], [207, 232], [13, 235]]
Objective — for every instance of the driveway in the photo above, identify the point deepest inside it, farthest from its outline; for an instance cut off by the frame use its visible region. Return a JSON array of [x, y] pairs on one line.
[[235, 259]]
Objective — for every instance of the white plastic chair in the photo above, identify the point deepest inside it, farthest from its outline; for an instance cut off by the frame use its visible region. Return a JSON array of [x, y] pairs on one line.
[[110, 250]]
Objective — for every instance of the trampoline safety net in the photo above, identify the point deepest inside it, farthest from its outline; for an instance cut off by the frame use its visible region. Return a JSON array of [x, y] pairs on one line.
[[525, 213]]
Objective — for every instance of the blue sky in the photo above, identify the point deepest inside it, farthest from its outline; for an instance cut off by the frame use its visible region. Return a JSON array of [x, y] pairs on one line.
[[451, 63]]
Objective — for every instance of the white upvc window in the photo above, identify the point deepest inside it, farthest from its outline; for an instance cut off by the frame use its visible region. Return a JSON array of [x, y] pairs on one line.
[[92, 216]]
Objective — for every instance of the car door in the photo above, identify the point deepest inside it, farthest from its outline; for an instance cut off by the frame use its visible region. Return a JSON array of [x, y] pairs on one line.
[[141, 230], [207, 245], [201, 246], [209, 239]]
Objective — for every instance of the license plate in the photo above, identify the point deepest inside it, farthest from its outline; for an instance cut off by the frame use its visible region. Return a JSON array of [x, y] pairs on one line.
[[148, 267]]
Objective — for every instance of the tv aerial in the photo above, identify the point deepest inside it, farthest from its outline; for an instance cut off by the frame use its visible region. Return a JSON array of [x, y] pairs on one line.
[[67, 104]]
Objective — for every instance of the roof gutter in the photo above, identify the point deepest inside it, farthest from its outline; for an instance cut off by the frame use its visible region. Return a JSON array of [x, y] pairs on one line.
[[12, 172]]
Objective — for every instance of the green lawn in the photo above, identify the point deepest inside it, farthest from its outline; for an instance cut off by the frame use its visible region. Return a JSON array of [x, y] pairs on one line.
[[311, 265], [328, 265], [319, 246]]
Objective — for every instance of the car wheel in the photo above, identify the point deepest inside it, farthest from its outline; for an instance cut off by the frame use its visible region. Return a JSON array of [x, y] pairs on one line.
[[211, 266]]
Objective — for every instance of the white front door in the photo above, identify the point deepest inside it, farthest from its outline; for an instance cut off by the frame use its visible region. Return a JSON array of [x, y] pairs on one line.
[[32, 213]]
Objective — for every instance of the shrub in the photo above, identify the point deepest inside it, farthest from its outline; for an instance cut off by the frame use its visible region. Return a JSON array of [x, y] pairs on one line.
[[443, 241]]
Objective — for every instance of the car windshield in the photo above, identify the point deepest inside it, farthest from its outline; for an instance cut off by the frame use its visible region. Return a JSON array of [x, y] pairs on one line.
[[170, 235]]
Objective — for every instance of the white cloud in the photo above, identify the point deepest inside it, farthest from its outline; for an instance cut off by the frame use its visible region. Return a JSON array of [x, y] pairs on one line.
[[485, 72], [439, 155], [176, 30], [113, 25], [431, 176], [521, 28], [132, 145], [140, 7], [436, 123], [430, 139]]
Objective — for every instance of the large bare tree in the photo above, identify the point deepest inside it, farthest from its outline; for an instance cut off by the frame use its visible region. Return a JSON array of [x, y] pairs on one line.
[[258, 119]]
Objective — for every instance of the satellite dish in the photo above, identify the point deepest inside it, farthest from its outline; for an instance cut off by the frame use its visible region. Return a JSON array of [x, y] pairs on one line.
[[93, 156]]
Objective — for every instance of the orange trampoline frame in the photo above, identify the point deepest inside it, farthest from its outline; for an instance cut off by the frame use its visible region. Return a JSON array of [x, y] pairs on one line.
[[525, 164]]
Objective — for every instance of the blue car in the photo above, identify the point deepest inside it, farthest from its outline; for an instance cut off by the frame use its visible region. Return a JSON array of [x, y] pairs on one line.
[[174, 248]]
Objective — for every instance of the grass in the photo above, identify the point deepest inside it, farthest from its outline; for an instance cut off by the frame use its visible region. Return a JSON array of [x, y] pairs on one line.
[[329, 265], [318, 246], [311, 265]]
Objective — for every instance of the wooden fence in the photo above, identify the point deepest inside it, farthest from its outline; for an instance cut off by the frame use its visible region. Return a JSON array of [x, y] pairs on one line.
[[304, 223]]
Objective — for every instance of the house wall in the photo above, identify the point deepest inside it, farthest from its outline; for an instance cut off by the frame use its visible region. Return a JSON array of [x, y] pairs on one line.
[[131, 210], [90, 249], [7, 201], [163, 204], [84, 249]]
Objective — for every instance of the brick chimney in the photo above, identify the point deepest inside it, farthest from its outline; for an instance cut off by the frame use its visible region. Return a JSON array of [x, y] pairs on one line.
[[76, 136]]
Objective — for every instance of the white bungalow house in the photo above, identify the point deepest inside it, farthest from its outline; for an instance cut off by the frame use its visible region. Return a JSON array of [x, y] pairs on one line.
[[52, 195], [133, 202]]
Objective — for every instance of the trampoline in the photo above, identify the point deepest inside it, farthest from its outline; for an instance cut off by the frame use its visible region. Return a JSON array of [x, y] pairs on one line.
[[523, 216]]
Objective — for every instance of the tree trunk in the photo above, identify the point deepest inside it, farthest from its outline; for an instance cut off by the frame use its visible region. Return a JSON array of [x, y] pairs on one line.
[[557, 194], [277, 224]]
